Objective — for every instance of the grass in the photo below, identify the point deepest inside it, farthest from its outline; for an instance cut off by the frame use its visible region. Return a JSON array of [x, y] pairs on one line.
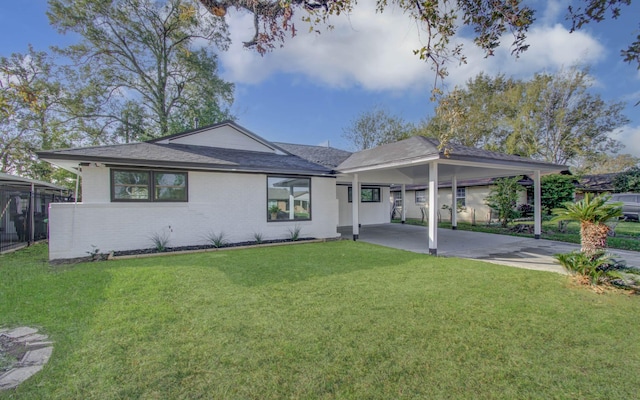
[[345, 320], [627, 233]]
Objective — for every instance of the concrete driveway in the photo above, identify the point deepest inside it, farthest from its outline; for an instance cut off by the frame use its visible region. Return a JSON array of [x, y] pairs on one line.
[[514, 251]]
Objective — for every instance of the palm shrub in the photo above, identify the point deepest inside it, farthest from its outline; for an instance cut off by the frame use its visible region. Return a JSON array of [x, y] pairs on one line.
[[593, 213]]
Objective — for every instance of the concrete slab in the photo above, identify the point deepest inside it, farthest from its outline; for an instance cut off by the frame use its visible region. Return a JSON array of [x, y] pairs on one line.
[[37, 356], [529, 253], [20, 332], [16, 376]]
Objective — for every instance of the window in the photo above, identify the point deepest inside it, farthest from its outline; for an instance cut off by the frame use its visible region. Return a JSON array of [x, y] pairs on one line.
[[461, 197], [288, 198], [367, 195], [421, 196], [148, 186], [397, 199]]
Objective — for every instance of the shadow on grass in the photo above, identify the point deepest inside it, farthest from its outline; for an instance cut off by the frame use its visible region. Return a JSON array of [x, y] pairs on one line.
[[302, 262]]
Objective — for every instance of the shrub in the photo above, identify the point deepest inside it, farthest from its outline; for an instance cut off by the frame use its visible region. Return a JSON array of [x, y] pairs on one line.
[[556, 190], [503, 198], [160, 241], [217, 240], [294, 233], [525, 210]]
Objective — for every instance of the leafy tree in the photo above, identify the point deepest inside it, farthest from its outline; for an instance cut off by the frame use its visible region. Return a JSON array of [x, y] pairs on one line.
[[375, 127], [142, 51], [503, 198], [35, 115], [606, 164], [628, 181], [441, 22], [556, 191], [550, 117], [593, 213]]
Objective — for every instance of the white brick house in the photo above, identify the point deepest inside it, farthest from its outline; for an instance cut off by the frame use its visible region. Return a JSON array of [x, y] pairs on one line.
[[224, 178]]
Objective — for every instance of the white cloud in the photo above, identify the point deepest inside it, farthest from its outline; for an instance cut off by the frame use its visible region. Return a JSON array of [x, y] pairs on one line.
[[630, 137], [375, 51]]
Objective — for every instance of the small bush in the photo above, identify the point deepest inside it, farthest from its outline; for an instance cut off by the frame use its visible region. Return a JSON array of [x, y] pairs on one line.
[[160, 241], [257, 236], [218, 240], [525, 210], [294, 233]]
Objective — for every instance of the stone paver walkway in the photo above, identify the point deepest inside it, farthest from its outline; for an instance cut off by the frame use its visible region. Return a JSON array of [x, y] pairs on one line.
[[39, 350]]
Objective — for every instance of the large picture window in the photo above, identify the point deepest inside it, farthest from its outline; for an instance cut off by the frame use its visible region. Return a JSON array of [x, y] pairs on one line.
[[133, 185], [288, 198], [367, 195]]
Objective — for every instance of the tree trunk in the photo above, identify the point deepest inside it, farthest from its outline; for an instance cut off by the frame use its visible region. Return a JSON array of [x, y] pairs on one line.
[[593, 237]]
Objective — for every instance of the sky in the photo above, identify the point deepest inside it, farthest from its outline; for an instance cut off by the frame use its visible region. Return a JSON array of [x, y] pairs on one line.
[[311, 89]]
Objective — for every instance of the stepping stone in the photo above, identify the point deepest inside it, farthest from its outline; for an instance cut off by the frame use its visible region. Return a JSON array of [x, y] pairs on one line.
[[37, 356], [39, 344], [17, 375], [36, 337], [19, 332]]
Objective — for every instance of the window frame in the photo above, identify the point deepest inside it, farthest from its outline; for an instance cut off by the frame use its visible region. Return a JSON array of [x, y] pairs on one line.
[[268, 201], [151, 186], [377, 188], [463, 197], [424, 196]]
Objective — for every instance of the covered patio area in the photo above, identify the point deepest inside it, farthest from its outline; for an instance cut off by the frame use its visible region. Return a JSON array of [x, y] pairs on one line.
[[421, 160]]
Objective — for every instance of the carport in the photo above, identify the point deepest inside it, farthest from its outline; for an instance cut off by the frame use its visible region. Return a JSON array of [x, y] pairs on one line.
[[419, 160]]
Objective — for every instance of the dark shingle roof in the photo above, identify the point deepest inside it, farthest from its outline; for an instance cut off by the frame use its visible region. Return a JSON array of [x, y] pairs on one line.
[[418, 147], [189, 156], [325, 156], [596, 183]]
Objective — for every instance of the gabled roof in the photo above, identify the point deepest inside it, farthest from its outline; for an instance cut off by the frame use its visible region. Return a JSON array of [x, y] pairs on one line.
[[420, 148], [192, 136], [326, 156], [221, 147], [187, 156]]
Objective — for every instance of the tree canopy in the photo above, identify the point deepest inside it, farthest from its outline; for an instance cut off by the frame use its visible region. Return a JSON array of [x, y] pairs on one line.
[[376, 127], [554, 118], [440, 21], [144, 52]]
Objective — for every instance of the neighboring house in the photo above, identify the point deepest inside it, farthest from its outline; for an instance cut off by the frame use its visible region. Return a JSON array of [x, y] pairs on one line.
[[594, 184], [24, 207], [470, 196], [226, 179]]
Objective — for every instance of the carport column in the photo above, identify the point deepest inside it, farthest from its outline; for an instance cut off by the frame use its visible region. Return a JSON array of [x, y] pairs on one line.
[[292, 199], [355, 205], [454, 203], [433, 208], [537, 205], [404, 209]]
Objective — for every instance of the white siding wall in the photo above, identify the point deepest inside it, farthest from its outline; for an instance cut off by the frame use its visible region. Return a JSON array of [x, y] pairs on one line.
[[218, 202], [475, 201], [225, 137], [370, 213]]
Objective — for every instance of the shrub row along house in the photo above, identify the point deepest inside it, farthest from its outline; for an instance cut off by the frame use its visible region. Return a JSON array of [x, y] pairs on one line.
[[224, 178]]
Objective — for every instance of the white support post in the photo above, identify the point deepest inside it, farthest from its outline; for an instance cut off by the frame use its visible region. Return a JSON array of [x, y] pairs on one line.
[[454, 203], [433, 208], [355, 205], [537, 205], [292, 205], [404, 202]]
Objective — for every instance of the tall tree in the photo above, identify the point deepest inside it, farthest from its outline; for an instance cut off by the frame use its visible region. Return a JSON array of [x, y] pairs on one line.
[[441, 22], [375, 127], [34, 116], [143, 51], [550, 117]]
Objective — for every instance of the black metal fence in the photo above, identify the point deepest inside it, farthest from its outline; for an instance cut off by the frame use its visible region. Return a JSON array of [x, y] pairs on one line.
[[24, 213]]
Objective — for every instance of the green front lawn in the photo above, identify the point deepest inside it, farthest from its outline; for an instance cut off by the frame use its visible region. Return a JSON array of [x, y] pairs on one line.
[[627, 234], [326, 320]]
